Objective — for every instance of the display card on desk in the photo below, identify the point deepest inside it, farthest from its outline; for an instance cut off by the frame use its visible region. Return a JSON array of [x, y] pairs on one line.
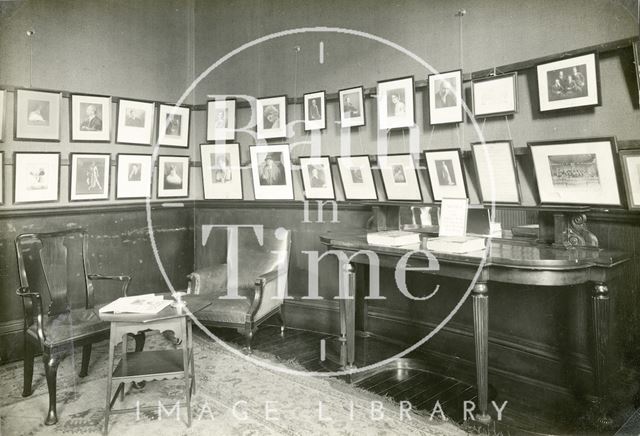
[[453, 217]]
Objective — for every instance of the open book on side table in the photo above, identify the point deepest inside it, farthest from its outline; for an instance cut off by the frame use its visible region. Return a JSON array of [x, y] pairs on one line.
[[456, 244], [147, 303]]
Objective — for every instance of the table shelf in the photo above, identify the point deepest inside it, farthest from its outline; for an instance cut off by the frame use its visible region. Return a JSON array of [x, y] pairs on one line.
[[151, 365]]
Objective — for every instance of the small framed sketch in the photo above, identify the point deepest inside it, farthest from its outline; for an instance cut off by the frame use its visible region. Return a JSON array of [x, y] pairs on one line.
[[445, 98], [173, 176], [135, 122], [580, 171], [569, 83], [89, 176], [636, 57], [446, 174], [315, 113], [3, 99], [352, 107], [221, 171], [272, 117], [271, 170], [133, 176], [221, 120], [90, 118], [497, 173], [395, 103], [357, 178], [630, 162], [36, 177], [495, 96], [173, 126], [399, 177], [316, 178], [37, 115]]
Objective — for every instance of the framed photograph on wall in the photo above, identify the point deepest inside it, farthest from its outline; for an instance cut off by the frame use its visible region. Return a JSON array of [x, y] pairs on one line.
[[497, 172], [271, 170], [135, 122], [352, 113], [36, 177], [133, 176], [357, 178], [37, 115], [495, 96], [316, 178], [636, 57], [221, 171], [272, 117], [399, 177], [576, 171], [90, 117], [3, 103], [446, 174], [569, 83], [396, 103], [221, 120], [315, 111], [173, 176], [173, 126], [630, 162], [445, 98], [89, 176]]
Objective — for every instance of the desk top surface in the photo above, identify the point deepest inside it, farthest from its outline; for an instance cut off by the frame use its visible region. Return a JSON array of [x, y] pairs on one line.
[[194, 303]]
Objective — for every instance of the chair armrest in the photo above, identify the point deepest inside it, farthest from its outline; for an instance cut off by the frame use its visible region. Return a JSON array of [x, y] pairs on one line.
[[124, 279], [265, 289], [36, 302]]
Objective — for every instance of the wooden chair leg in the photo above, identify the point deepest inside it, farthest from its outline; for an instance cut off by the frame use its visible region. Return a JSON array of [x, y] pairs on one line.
[[51, 370], [28, 368], [248, 335], [86, 356], [140, 339], [282, 322]]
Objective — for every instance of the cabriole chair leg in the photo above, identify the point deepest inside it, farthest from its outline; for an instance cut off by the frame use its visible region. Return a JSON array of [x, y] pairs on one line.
[[51, 370]]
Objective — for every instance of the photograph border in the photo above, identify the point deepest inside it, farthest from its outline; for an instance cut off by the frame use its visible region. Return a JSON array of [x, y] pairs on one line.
[[382, 117], [323, 120], [415, 170], [237, 150], [188, 176], [430, 92], [230, 133], [281, 132], [106, 126], [373, 181], [16, 105], [72, 168], [514, 168], [151, 171], [460, 161], [304, 186], [514, 87], [15, 175], [151, 127], [361, 96], [186, 140]]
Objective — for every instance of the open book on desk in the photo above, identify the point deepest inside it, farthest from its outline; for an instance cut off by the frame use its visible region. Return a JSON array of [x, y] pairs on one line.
[[147, 303]]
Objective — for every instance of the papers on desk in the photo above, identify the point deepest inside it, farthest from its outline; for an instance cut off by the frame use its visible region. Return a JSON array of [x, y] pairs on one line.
[[455, 244], [147, 303], [393, 238]]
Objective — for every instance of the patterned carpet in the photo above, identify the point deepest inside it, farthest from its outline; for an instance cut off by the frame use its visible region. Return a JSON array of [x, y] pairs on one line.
[[232, 398]]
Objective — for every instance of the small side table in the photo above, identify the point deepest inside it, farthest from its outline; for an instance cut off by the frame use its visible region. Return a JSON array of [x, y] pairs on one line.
[[145, 366]]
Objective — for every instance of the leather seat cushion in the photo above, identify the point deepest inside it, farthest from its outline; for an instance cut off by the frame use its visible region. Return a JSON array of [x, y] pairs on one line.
[[70, 326], [225, 311]]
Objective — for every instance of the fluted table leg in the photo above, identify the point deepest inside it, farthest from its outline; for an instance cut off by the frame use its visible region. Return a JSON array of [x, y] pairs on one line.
[[600, 306], [481, 336], [350, 319]]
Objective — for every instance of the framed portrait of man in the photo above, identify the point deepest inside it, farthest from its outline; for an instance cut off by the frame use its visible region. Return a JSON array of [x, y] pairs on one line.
[[446, 174], [445, 97], [135, 122], [271, 170], [89, 176], [272, 117], [221, 171], [352, 110], [357, 178], [37, 115], [399, 177], [173, 126], [90, 117], [315, 111], [133, 176], [316, 178]]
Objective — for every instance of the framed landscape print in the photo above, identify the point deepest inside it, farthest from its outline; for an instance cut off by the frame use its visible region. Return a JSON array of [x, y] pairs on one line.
[[271, 170], [630, 162], [569, 83], [495, 96], [133, 176], [315, 113], [37, 115], [357, 178], [396, 103], [399, 177], [90, 117], [445, 98], [3, 100], [221, 171], [316, 178], [497, 173], [352, 107], [272, 117], [173, 176], [221, 120], [36, 177], [577, 171], [446, 174], [89, 176], [173, 126], [135, 122]]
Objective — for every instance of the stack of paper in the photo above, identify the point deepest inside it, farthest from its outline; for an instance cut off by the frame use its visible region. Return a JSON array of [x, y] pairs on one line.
[[455, 244], [147, 303], [393, 238]]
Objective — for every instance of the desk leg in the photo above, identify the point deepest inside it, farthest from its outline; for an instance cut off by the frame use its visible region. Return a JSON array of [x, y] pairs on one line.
[[348, 318], [481, 335], [112, 343], [600, 305]]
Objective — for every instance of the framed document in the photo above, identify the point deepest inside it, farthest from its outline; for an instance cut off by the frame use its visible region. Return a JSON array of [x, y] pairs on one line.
[[446, 174], [357, 178], [497, 173], [495, 96], [399, 177]]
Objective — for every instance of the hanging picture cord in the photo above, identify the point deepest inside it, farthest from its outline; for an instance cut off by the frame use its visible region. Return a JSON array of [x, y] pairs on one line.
[[30, 34], [461, 13], [433, 129]]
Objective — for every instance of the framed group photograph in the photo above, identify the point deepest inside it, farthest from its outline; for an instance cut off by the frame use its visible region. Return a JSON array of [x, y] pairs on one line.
[[173, 126], [271, 170], [446, 174], [497, 172], [630, 163], [37, 115], [272, 117], [3, 100], [399, 177], [316, 178], [89, 176], [221, 171], [315, 113], [495, 96], [90, 117], [173, 176], [396, 103], [221, 120], [134, 175], [135, 122], [445, 98], [576, 171], [352, 107], [569, 83], [36, 177], [357, 178]]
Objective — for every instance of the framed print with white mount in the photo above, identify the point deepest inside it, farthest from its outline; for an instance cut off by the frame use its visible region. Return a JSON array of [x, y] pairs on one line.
[[90, 117], [495, 96], [630, 162], [89, 176], [497, 172], [173, 176], [315, 113], [221, 120], [396, 106], [221, 171], [133, 176], [352, 112], [173, 126], [399, 177], [272, 117], [271, 170], [37, 115], [135, 122], [446, 174], [357, 178], [445, 98], [316, 178], [36, 177]]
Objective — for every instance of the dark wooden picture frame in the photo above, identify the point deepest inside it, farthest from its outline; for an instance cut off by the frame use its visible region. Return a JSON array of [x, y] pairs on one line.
[[315, 115], [365, 177], [229, 175], [396, 103], [90, 178], [352, 114], [446, 180], [268, 113], [631, 174], [510, 179], [131, 116], [446, 94], [173, 126], [182, 177], [311, 181], [139, 177], [221, 128], [397, 174], [37, 115], [495, 96], [87, 125]]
